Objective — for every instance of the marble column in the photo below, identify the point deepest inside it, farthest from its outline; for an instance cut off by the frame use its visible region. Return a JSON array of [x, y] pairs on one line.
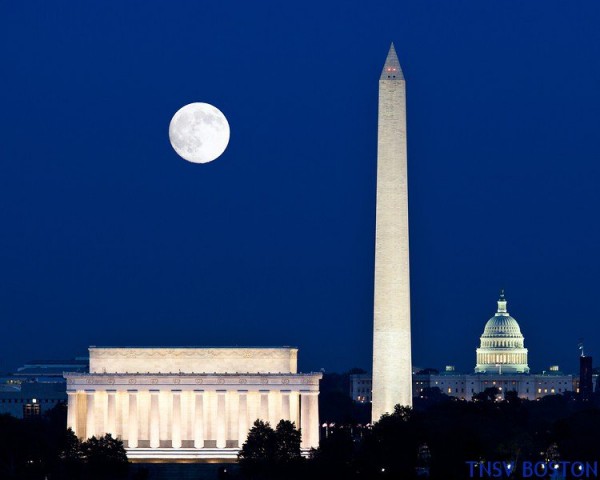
[[274, 408], [90, 424], [154, 420], [242, 417], [221, 419], [132, 440], [176, 432], [309, 419], [198, 418], [285, 405], [264, 405], [295, 408], [120, 400], [72, 411], [111, 413], [100, 415]]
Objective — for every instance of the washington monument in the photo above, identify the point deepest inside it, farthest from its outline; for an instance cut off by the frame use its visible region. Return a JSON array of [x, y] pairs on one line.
[[392, 371]]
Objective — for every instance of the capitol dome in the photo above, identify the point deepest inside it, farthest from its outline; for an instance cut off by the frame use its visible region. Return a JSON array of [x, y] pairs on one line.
[[502, 326], [502, 347]]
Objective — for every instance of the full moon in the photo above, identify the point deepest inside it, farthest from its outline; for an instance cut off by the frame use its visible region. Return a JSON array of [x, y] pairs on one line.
[[199, 132]]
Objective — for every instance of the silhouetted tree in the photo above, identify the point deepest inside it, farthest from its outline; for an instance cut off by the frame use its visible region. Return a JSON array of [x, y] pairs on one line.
[[258, 449], [512, 397], [70, 456], [287, 439], [335, 456], [71, 450], [271, 453], [488, 395], [105, 457]]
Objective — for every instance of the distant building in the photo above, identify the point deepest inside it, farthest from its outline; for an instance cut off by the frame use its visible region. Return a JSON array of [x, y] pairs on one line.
[[586, 385], [360, 387], [527, 386], [29, 399], [37, 386], [464, 386], [50, 370]]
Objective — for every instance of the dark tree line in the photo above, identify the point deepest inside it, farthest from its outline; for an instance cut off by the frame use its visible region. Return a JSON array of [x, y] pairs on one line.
[[440, 434], [40, 447], [451, 432]]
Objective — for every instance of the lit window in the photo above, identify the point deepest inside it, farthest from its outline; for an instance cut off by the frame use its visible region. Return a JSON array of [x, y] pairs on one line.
[[31, 410], [539, 390]]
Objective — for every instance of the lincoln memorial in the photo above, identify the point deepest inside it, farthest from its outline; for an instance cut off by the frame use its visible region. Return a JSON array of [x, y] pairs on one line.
[[190, 403]]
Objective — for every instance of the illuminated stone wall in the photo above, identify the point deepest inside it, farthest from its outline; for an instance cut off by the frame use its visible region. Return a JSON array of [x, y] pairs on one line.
[[193, 360]]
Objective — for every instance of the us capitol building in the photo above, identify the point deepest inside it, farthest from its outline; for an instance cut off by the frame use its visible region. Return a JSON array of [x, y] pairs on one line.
[[502, 344], [501, 362]]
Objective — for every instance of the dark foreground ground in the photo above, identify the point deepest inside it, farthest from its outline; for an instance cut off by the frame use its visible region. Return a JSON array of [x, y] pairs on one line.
[[184, 471]]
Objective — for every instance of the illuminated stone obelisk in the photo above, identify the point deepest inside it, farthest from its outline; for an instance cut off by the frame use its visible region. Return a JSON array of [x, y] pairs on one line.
[[392, 371]]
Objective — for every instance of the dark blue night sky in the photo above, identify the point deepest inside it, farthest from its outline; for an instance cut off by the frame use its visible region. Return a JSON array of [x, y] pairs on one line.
[[107, 237]]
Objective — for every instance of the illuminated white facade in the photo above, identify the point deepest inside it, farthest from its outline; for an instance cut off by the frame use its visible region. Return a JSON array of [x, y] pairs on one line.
[[502, 347], [392, 376], [190, 403], [527, 386]]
